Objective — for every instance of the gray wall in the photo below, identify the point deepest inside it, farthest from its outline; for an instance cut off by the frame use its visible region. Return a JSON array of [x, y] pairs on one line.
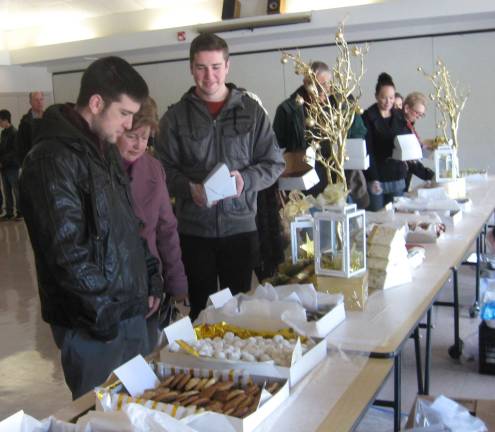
[[469, 57]]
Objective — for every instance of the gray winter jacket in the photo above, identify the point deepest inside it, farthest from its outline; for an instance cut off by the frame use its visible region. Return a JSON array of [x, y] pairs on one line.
[[191, 143]]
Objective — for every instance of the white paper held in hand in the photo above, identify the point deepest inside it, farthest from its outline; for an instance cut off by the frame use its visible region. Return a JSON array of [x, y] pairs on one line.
[[137, 376], [219, 184], [407, 147]]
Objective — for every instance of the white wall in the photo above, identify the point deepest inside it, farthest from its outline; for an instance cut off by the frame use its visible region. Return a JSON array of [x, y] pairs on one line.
[[16, 82], [468, 57]]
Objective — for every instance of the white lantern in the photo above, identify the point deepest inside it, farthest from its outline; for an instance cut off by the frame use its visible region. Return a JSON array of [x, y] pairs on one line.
[[446, 164], [340, 241], [301, 238]]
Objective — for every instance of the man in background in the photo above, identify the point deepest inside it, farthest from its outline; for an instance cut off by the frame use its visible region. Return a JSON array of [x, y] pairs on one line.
[[9, 166], [290, 127], [97, 279], [28, 125], [217, 122]]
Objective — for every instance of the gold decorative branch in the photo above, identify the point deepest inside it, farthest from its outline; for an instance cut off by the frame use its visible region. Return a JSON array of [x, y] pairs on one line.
[[332, 105], [449, 100]]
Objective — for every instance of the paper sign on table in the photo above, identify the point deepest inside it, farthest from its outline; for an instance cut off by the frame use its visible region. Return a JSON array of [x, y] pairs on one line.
[[181, 329], [219, 184], [221, 297], [137, 376], [12, 423]]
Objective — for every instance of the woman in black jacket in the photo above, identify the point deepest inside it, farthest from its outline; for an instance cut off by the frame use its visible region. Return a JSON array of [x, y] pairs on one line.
[[385, 176]]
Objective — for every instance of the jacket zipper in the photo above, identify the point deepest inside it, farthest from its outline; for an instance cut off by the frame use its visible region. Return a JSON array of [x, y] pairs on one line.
[[216, 207]]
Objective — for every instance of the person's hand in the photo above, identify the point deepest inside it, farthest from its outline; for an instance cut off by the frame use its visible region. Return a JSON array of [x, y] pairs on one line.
[[198, 194], [179, 298], [376, 187], [239, 182], [153, 305]]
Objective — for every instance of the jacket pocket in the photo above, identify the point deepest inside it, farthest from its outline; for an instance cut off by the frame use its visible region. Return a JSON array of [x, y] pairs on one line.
[[244, 205], [236, 140], [194, 144]]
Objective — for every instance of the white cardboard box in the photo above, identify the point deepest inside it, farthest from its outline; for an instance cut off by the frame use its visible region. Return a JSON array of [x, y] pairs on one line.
[[183, 329], [356, 154], [450, 217], [303, 182], [357, 163], [212, 421], [356, 148], [407, 147], [219, 184], [317, 329]]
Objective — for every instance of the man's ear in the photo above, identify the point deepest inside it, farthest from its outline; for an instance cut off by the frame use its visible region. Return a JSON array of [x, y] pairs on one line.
[[227, 66], [96, 104]]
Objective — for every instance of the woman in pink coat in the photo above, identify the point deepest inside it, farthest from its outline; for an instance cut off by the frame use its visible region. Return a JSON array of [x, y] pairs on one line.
[[151, 203]]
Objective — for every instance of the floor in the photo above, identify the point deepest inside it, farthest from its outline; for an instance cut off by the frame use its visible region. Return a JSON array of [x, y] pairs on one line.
[[31, 377]]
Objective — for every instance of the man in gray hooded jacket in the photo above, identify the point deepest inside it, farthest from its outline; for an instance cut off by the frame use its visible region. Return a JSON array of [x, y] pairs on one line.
[[217, 122]]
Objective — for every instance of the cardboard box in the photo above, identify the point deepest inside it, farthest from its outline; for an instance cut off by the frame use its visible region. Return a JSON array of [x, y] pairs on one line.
[[298, 174], [450, 217], [354, 289], [355, 148], [455, 188], [271, 321], [110, 399], [183, 329], [481, 408], [407, 147]]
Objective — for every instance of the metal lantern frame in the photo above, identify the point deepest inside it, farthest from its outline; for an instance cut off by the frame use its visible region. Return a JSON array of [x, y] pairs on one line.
[[300, 223], [343, 216], [445, 158]]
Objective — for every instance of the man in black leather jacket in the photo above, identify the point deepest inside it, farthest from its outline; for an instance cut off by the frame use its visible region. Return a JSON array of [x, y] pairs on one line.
[[96, 278]]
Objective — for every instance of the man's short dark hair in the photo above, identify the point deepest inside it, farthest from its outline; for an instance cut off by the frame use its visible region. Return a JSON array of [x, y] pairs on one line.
[[5, 115], [111, 77], [208, 42]]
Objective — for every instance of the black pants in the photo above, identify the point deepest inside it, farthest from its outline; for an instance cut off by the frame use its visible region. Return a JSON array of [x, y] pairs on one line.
[[229, 261], [87, 362]]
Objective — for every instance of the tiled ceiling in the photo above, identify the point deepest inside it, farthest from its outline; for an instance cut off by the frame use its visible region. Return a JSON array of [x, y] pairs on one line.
[[16, 14]]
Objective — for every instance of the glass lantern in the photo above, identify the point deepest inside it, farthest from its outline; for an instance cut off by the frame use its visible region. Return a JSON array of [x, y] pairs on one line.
[[301, 238], [340, 241], [446, 164]]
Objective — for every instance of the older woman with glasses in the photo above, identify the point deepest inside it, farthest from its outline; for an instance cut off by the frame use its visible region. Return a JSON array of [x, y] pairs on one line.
[[151, 204], [414, 108]]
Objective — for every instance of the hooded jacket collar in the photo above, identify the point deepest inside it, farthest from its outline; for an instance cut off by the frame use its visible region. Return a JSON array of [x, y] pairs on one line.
[[234, 99], [63, 122]]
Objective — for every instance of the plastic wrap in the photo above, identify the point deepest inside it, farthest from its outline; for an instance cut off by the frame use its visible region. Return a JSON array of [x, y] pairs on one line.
[[444, 414]]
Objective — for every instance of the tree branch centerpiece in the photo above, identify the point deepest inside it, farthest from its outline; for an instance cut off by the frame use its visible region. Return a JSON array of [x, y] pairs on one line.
[[450, 101], [331, 108], [339, 230]]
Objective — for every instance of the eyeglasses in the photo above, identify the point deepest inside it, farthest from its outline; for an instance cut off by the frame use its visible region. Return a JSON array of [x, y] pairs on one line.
[[418, 113]]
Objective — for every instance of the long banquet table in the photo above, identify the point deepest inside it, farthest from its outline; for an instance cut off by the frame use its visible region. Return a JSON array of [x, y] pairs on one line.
[[367, 345]]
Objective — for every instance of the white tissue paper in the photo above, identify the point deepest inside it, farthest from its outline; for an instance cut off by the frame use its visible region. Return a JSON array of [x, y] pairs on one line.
[[22, 422]]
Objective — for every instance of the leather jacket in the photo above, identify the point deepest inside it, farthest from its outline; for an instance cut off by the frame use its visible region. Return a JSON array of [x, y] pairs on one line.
[[93, 269]]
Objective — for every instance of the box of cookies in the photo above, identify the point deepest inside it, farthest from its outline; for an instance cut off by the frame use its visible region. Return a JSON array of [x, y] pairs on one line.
[[204, 399], [281, 354]]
